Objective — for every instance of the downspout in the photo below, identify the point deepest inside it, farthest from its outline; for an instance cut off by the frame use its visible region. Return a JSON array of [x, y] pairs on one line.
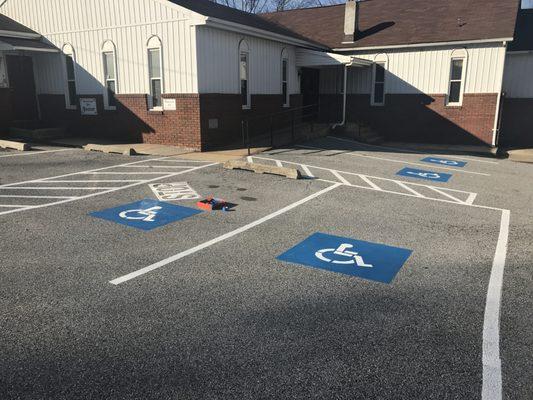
[[343, 122], [496, 128]]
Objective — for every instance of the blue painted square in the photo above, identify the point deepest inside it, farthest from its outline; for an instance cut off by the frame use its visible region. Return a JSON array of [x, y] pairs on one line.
[[373, 261], [423, 174], [444, 161], [147, 214]]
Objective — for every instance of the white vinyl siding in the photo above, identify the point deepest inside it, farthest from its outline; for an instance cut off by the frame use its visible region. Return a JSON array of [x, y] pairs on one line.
[[218, 56], [129, 24], [424, 70]]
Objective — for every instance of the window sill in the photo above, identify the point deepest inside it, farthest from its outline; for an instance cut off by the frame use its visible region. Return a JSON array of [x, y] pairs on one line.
[[155, 111], [454, 105], [286, 106], [246, 107], [377, 104]]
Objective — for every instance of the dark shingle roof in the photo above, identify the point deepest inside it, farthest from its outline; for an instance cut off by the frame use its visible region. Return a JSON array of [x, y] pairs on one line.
[[400, 22], [7, 24], [524, 32], [211, 9]]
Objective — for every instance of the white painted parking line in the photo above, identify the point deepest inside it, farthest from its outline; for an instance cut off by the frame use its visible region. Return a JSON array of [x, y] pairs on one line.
[[133, 173], [14, 206], [18, 196], [400, 161], [40, 184], [307, 171], [399, 149], [372, 185], [492, 373], [96, 181], [156, 166], [471, 198], [340, 177], [34, 153], [219, 239], [279, 163]]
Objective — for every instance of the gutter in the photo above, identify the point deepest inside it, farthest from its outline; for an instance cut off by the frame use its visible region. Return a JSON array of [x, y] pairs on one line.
[[435, 44], [343, 122], [20, 35]]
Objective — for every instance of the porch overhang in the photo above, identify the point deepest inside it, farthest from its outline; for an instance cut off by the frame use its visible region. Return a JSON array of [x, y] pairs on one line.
[[317, 59], [19, 44]]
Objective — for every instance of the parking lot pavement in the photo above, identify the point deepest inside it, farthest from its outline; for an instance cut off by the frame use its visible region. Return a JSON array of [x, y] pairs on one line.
[[234, 304]]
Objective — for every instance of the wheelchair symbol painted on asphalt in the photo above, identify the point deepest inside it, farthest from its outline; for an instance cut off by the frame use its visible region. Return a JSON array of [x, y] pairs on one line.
[[444, 161], [342, 250], [427, 175], [367, 260], [147, 215]]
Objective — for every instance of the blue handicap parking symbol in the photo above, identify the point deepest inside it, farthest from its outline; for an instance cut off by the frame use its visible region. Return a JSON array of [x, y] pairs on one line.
[[146, 214], [444, 161], [422, 174], [373, 261]]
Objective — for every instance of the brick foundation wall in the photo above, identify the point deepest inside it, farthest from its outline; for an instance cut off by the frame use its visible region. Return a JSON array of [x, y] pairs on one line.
[[5, 109], [188, 126], [227, 110], [517, 123], [420, 117]]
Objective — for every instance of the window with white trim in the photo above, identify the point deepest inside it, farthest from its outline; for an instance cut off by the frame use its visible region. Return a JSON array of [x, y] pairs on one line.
[[110, 74], [3, 73], [527, 5], [285, 78], [71, 92], [455, 89], [155, 72], [244, 74], [378, 84]]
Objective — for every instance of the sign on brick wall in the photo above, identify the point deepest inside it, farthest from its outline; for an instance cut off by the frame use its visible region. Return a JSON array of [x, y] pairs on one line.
[[88, 106]]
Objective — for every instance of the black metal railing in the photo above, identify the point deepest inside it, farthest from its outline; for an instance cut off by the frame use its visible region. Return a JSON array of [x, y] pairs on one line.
[[280, 128]]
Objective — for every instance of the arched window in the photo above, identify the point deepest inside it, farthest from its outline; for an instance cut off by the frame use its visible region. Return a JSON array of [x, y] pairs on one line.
[[109, 60], [285, 78], [458, 64], [244, 74], [155, 72], [379, 68], [71, 92]]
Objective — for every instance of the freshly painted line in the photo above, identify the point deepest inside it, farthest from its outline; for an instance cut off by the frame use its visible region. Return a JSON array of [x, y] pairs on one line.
[[492, 372], [97, 181], [15, 206], [471, 198], [112, 190], [157, 166], [78, 173], [446, 194], [133, 173], [400, 149], [307, 171], [368, 176], [34, 153], [35, 197], [340, 177], [401, 161], [57, 188], [403, 185], [219, 239], [372, 184]]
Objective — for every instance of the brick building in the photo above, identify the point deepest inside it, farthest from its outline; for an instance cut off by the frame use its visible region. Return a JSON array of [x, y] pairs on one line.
[[187, 72]]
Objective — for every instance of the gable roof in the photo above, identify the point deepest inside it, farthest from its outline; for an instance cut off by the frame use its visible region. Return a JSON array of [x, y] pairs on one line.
[[211, 9], [400, 22], [9, 25], [524, 32]]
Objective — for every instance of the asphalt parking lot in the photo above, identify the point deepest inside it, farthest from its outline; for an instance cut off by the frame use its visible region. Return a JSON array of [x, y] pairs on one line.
[[354, 283]]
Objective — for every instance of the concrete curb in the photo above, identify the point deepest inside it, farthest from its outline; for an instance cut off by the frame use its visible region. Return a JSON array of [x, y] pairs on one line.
[[9, 144], [119, 149], [291, 173]]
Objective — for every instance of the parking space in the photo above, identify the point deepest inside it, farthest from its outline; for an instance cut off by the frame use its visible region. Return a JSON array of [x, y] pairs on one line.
[[353, 283]]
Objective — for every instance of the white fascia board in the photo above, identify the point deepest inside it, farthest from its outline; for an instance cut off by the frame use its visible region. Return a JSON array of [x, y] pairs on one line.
[[248, 30], [435, 44], [20, 35]]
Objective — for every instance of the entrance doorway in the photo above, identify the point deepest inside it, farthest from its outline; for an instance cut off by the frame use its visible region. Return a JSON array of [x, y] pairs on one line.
[[22, 88]]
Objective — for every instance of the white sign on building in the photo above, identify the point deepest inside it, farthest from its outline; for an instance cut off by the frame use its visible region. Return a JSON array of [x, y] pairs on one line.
[[169, 104], [88, 106]]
